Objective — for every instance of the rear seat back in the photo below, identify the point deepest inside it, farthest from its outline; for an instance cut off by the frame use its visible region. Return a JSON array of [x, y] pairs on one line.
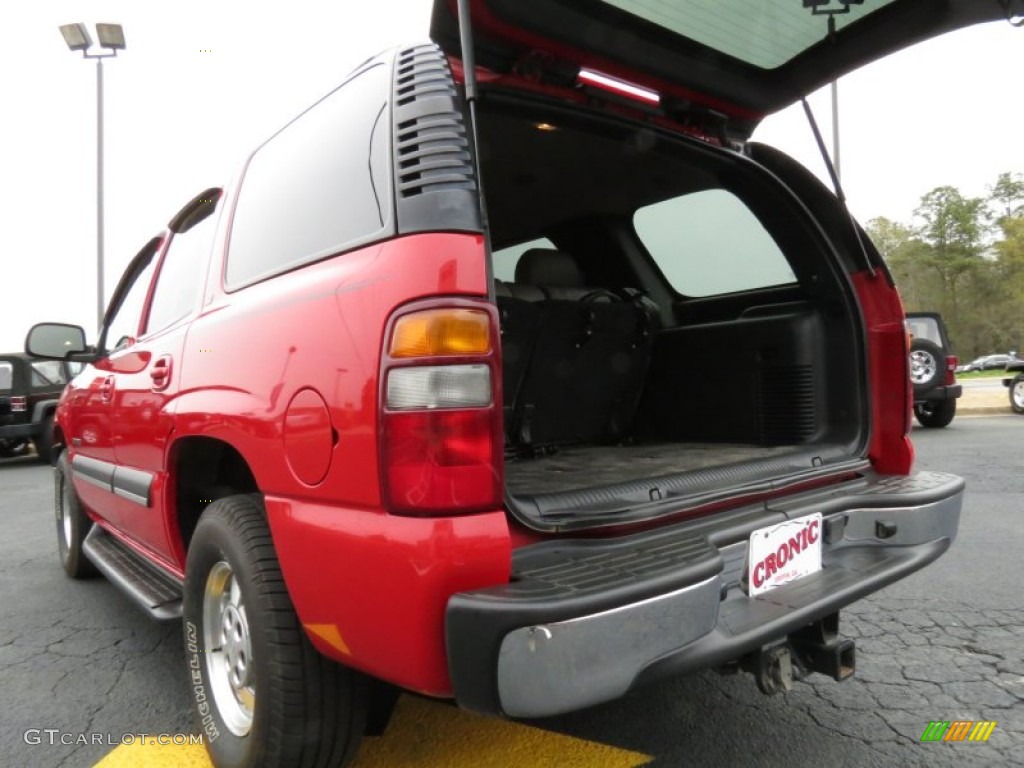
[[519, 311], [588, 360]]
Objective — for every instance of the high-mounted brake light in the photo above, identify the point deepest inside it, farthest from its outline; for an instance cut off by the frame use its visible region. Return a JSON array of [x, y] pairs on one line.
[[441, 436], [619, 87]]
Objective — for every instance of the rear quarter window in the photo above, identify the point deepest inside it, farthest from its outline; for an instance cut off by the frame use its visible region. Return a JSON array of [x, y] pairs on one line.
[[709, 242], [318, 187], [48, 374], [6, 376]]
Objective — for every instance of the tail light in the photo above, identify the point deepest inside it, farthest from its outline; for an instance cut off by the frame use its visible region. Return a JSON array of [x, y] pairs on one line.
[[19, 404], [441, 436], [951, 363]]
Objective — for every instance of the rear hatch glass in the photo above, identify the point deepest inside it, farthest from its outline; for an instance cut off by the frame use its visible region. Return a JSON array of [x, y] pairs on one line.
[[743, 59]]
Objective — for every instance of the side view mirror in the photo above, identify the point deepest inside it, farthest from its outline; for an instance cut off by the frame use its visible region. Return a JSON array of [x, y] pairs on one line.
[[58, 341]]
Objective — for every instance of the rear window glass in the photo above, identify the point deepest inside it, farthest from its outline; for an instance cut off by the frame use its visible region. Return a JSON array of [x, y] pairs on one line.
[[709, 243], [6, 376], [504, 260], [318, 187], [924, 328], [48, 374], [766, 33]]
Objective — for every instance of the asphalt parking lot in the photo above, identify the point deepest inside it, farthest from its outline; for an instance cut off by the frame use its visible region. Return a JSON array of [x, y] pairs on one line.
[[946, 644]]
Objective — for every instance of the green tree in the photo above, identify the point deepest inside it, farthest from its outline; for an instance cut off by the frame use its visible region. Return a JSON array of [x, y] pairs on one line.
[[1006, 196], [953, 227], [890, 237], [963, 257], [904, 252], [1010, 265]]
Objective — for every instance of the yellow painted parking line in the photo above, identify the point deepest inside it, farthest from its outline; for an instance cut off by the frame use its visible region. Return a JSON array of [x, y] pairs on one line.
[[425, 734], [152, 755]]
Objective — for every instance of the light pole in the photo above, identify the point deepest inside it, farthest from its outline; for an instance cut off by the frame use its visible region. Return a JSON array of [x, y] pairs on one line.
[[111, 37]]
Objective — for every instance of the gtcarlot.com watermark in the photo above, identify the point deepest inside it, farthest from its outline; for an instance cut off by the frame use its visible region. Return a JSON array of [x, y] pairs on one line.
[[55, 736]]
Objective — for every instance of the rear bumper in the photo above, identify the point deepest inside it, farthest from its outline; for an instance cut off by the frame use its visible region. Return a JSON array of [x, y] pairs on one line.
[[938, 394], [586, 621]]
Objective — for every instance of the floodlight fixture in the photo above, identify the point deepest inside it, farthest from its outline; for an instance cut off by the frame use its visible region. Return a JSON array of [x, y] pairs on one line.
[[76, 36], [110, 36]]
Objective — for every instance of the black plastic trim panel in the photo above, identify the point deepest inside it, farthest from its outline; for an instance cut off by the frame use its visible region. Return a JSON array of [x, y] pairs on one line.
[[435, 180], [943, 392], [19, 430], [132, 484], [94, 471]]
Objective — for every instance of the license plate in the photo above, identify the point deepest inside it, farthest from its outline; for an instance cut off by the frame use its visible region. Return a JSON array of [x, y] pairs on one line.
[[782, 553]]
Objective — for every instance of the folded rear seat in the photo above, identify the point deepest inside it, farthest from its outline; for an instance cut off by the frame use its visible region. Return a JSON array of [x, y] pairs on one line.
[[588, 360], [519, 311]]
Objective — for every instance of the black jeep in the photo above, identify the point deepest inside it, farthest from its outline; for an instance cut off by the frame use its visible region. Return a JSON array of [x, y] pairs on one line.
[[1015, 381], [932, 370], [29, 390]]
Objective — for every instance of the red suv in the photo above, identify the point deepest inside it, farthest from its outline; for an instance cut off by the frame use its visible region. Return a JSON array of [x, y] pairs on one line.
[[522, 391]]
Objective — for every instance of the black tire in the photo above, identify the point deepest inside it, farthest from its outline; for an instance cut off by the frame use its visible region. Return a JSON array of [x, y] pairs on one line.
[[267, 697], [927, 365], [44, 441], [72, 523], [1017, 393], [935, 415]]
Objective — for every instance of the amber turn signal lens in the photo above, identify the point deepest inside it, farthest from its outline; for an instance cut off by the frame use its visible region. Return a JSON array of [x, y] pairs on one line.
[[441, 332]]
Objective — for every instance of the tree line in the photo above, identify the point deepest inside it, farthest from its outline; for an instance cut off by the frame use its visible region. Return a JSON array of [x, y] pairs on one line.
[[963, 257]]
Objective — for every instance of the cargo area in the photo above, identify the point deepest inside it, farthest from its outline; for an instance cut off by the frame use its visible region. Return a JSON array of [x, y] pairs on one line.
[[673, 325]]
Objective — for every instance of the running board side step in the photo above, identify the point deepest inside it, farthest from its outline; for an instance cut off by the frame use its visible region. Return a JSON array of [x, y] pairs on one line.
[[155, 591]]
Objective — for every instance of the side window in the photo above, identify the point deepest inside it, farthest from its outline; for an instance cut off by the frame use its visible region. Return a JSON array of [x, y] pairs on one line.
[[708, 243], [317, 187], [6, 376], [48, 374], [123, 328], [182, 274], [504, 260]]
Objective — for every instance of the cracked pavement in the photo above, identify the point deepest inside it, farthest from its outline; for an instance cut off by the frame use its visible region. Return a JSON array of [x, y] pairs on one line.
[[74, 656], [945, 644]]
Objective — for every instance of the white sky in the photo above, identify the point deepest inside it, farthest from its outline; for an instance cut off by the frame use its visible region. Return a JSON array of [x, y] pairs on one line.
[[201, 83]]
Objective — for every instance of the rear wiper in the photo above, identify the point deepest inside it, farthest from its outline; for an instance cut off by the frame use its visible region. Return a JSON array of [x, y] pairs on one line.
[[835, 183]]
